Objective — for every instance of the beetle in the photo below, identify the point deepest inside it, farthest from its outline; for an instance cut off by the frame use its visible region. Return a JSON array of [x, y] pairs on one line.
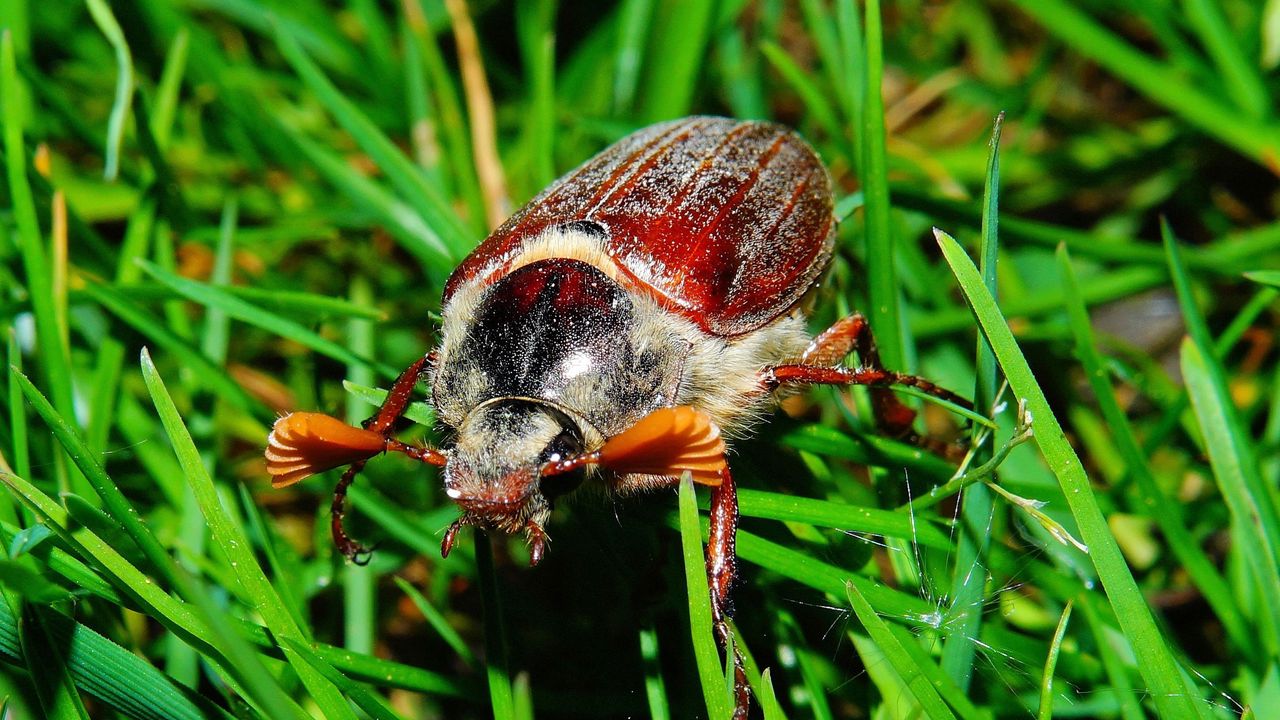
[[617, 329]]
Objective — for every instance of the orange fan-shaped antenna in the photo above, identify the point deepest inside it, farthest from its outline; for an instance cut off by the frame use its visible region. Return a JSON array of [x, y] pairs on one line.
[[669, 441], [302, 444]]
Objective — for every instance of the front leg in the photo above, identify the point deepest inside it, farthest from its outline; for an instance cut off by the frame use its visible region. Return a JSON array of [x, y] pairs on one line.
[[392, 409], [722, 572]]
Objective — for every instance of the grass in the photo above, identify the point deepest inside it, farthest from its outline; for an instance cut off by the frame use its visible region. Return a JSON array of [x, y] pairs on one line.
[[262, 200]]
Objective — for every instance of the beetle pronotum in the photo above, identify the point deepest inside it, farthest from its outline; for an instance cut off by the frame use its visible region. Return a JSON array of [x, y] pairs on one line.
[[616, 328]]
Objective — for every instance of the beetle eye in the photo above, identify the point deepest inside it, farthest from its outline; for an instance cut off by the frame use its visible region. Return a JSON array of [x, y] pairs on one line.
[[562, 446]]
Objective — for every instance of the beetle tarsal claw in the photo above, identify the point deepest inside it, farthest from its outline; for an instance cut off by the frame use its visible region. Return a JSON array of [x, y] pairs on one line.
[[537, 542], [451, 536]]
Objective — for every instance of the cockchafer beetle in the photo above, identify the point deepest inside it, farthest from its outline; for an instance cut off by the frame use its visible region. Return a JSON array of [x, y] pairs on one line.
[[617, 328]]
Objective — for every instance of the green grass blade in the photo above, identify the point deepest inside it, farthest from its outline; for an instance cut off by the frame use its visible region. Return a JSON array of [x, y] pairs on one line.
[[216, 298], [17, 416], [846, 517], [359, 590], [406, 177], [813, 97], [214, 377], [373, 705], [677, 43], [107, 23], [232, 541], [1231, 468], [1163, 510], [1243, 82], [497, 659], [1158, 667], [969, 577], [1050, 666], [883, 287], [903, 663], [110, 673], [655, 690], [438, 622], [710, 670], [178, 618], [535, 25], [116, 504], [54, 364], [47, 665]]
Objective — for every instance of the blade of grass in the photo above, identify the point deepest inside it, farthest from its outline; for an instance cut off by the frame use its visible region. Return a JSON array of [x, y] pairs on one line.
[[655, 690], [813, 97], [106, 21], [408, 227], [17, 415], [676, 47], [1243, 83], [110, 673], [54, 357], [497, 661], [231, 540], [359, 591], [849, 518], [911, 675], [178, 618], [1115, 666], [1231, 466], [374, 706], [535, 26], [1159, 669], [452, 123], [407, 178], [437, 621], [634, 17], [710, 670], [1051, 664], [216, 298], [1264, 517], [969, 576], [156, 331], [47, 664], [119, 507], [1163, 510], [883, 287]]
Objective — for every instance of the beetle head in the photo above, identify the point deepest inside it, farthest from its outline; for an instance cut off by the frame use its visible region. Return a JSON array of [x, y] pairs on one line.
[[494, 471]]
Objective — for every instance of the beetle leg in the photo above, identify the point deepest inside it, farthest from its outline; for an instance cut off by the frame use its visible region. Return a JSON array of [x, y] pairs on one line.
[[722, 571], [348, 547], [537, 542], [819, 365], [381, 422], [451, 536]]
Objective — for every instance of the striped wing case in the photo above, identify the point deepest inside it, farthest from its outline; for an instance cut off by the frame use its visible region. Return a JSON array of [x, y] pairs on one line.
[[727, 223]]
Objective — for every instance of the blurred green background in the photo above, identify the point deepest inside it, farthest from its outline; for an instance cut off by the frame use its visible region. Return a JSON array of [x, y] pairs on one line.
[[268, 196]]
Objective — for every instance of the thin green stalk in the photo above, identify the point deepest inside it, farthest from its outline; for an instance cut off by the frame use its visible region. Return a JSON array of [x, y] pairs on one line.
[[359, 592], [1173, 696], [497, 658], [710, 670], [1162, 509], [882, 277], [1051, 664], [969, 577], [107, 23]]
